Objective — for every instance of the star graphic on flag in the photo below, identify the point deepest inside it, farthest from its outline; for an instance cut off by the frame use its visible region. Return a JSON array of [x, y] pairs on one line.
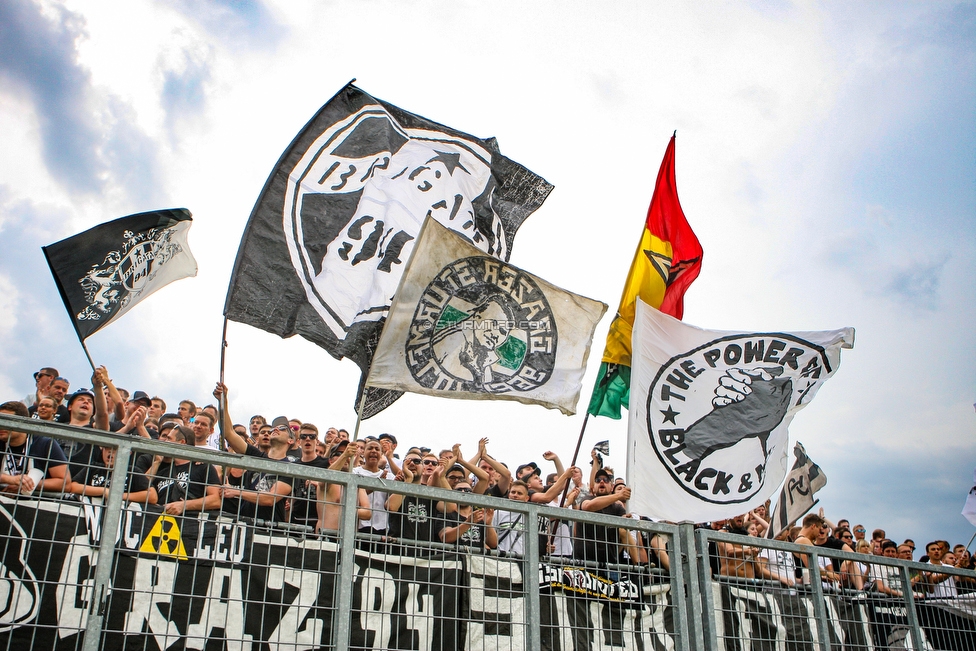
[[669, 415], [660, 262], [451, 161]]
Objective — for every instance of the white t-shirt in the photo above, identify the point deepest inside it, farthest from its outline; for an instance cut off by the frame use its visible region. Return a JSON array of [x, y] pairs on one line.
[[510, 528], [945, 589], [781, 564], [889, 576], [377, 502]]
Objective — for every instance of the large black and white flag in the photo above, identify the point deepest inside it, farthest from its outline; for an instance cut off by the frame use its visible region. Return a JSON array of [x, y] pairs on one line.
[[105, 271], [796, 496], [468, 325], [328, 238], [710, 411]]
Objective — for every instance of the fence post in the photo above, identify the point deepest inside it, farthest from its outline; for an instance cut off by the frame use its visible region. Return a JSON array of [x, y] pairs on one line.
[[530, 579], [709, 628], [819, 610], [110, 516], [687, 569], [906, 581], [345, 580]]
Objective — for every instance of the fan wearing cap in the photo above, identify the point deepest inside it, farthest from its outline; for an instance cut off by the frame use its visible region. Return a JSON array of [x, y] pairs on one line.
[[21, 453], [597, 542], [136, 413], [86, 409], [42, 380], [263, 494]]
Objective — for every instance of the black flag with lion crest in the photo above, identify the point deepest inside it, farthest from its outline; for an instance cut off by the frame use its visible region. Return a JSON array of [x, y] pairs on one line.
[[105, 271]]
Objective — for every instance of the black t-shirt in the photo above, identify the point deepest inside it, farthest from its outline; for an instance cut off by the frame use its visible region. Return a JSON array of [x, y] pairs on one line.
[[43, 453], [834, 543], [597, 542], [304, 494], [495, 491], [61, 415], [185, 481], [473, 536], [99, 475], [262, 482], [417, 519]]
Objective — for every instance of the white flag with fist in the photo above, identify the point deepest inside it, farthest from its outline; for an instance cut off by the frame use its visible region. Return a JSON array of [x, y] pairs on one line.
[[708, 432]]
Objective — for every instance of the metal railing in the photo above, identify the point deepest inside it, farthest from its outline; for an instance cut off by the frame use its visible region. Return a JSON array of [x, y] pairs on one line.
[[112, 572]]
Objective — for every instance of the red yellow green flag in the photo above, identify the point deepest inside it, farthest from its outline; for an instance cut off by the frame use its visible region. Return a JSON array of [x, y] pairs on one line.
[[667, 261]]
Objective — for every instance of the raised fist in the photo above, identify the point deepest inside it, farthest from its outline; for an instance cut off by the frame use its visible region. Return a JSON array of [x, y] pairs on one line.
[[736, 384]]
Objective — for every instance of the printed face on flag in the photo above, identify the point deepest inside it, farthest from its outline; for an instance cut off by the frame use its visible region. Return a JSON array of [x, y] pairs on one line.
[[467, 325], [371, 182], [714, 407]]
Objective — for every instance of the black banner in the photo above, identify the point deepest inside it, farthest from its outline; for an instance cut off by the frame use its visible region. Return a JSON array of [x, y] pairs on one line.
[[213, 582], [762, 617]]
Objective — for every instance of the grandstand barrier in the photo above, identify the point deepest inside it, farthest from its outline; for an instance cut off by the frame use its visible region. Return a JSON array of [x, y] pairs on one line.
[[111, 572]]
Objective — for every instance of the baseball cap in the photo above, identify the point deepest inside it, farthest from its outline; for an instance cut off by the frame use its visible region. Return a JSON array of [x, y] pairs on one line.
[[389, 437], [79, 393], [532, 465], [142, 398], [279, 421], [338, 447], [603, 472]]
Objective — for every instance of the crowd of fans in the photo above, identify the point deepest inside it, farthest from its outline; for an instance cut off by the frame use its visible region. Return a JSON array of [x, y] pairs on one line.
[[179, 486]]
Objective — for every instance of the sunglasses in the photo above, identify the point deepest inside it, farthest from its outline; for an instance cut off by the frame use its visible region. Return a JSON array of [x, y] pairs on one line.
[[306, 437], [859, 531], [430, 462], [603, 480], [411, 460], [454, 478], [295, 428], [280, 428], [463, 490]]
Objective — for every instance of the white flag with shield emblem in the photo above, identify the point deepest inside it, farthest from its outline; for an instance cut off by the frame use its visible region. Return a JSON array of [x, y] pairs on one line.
[[708, 432], [464, 324]]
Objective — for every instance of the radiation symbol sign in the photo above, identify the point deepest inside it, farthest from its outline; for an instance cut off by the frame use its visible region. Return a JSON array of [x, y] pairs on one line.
[[164, 539]]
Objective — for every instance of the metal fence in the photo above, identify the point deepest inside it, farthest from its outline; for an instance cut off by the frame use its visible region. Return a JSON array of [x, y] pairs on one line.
[[215, 568]]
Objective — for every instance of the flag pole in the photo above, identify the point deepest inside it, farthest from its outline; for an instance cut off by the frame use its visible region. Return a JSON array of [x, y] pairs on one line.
[[562, 499], [359, 412], [222, 402], [84, 347]]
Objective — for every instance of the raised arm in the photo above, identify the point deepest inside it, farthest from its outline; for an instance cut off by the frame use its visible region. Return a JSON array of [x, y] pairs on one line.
[[557, 488], [552, 456], [113, 393], [101, 406], [234, 440]]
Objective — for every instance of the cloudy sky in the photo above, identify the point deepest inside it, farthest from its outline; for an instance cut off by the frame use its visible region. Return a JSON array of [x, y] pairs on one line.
[[825, 158]]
